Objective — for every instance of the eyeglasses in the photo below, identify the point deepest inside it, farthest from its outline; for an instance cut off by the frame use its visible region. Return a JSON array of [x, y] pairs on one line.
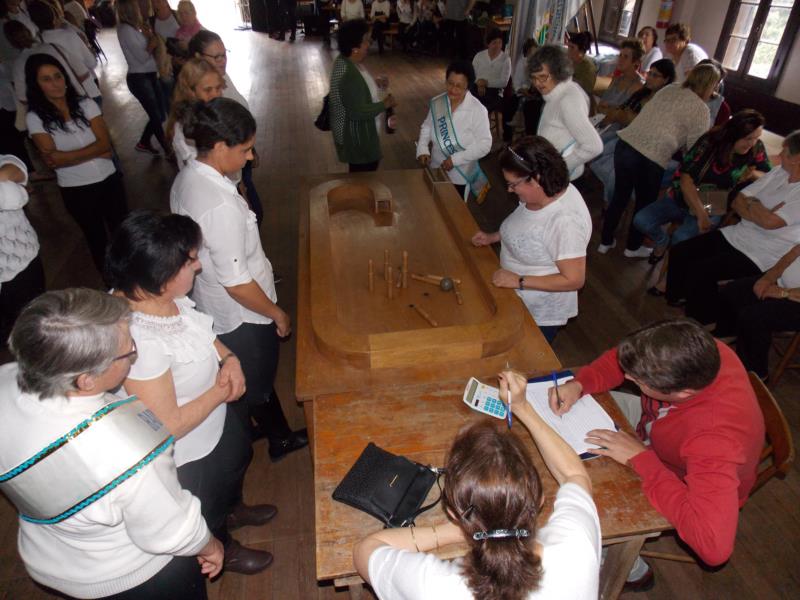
[[132, 354], [512, 185], [671, 40], [216, 57], [541, 78]]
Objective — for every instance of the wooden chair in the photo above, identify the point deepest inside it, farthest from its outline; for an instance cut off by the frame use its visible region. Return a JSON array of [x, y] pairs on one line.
[[776, 457], [787, 354]]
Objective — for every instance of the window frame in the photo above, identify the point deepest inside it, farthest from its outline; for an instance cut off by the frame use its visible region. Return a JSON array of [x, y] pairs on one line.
[[617, 39], [769, 84]]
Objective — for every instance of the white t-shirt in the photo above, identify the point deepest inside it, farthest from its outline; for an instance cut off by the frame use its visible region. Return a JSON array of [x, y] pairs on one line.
[[20, 85], [495, 71], [184, 150], [75, 137], [691, 55], [766, 246], [231, 253], [134, 49], [650, 57], [184, 345], [380, 8], [790, 278], [352, 10], [18, 242], [532, 242], [570, 560], [167, 28], [232, 93], [72, 44]]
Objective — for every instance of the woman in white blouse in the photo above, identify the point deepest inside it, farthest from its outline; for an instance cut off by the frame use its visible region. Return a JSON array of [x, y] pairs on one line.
[[236, 286], [467, 137], [73, 139], [184, 374], [649, 38], [543, 252], [565, 117], [352, 9], [493, 497], [492, 73]]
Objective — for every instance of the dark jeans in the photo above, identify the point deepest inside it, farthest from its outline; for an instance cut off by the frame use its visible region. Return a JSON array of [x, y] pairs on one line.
[[253, 199], [147, 90], [695, 268], [217, 479], [753, 321], [98, 208], [532, 110], [364, 167], [549, 332], [180, 578], [634, 172], [258, 349], [288, 10], [455, 35], [378, 27], [495, 101], [15, 294]]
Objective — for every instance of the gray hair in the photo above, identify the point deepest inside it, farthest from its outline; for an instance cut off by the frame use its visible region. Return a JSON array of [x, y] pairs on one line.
[[792, 142], [556, 59], [63, 334]]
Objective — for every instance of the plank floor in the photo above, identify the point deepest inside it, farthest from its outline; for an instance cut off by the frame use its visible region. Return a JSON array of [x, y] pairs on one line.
[[285, 84]]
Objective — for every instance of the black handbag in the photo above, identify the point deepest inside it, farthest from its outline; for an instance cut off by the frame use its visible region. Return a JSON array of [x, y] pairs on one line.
[[323, 121], [388, 487]]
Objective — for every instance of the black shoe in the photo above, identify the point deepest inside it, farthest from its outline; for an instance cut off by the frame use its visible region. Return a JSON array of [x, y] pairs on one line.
[[645, 583], [246, 561], [246, 516], [654, 291], [280, 448], [292, 38]]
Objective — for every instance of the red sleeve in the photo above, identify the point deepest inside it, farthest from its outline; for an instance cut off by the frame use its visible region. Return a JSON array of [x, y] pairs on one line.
[[704, 507], [601, 375], [724, 114]]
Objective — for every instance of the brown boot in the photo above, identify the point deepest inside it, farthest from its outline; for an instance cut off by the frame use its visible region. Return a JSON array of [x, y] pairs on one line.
[[243, 515], [246, 561]]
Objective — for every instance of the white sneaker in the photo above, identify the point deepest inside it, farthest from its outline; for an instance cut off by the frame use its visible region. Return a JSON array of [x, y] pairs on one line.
[[603, 248], [640, 252]]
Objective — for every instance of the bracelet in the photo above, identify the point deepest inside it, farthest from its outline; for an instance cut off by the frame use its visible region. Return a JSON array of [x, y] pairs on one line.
[[225, 358], [522, 283], [435, 535], [414, 538]]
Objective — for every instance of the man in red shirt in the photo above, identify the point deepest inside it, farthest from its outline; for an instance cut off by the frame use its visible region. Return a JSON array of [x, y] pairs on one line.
[[699, 428]]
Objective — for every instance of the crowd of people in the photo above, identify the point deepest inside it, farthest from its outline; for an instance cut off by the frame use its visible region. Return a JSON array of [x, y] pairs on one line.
[[199, 373]]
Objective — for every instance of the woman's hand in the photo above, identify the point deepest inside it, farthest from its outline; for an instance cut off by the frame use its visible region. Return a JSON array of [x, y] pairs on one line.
[[516, 384], [230, 374], [283, 323], [424, 159], [704, 223], [761, 286], [447, 164], [485, 239], [503, 278], [389, 101], [568, 394], [211, 558]]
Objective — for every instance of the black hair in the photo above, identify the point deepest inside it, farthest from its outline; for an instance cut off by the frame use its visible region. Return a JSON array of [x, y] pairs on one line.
[[220, 120], [582, 39], [462, 67], [149, 249], [724, 137], [666, 67], [351, 34], [529, 43], [42, 14], [201, 40], [652, 30], [494, 34], [534, 156], [38, 103], [792, 142], [12, 29], [556, 59]]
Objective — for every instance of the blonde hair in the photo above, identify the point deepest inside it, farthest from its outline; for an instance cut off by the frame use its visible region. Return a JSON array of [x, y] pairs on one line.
[[128, 12], [187, 4], [702, 79], [191, 73]]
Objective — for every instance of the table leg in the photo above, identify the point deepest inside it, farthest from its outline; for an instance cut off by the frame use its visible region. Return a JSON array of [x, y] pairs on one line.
[[308, 413], [617, 564]]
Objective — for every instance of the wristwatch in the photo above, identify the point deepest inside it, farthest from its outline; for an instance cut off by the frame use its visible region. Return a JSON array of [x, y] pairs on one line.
[[522, 282], [784, 293]]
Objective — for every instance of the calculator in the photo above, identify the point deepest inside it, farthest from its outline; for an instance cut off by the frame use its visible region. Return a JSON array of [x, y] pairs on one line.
[[484, 398]]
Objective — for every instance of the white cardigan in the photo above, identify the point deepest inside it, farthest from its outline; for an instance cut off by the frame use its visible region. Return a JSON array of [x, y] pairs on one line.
[[18, 242], [565, 124]]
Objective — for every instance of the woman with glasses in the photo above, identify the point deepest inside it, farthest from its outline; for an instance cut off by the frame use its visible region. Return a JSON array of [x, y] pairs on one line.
[[493, 497], [185, 374], [565, 118], [679, 47], [115, 523], [467, 138], [543, 242]]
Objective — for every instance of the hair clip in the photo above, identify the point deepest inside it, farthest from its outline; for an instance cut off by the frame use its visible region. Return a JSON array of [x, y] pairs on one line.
[[496, 534], [524, 161]]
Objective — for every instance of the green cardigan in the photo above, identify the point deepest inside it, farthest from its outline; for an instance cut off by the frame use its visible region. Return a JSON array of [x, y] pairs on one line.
[[353, 115]]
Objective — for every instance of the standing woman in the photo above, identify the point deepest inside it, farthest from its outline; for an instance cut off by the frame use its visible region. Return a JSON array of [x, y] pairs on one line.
[[236, 286], [354, 104], [187, 18], [73, 139], [138, 44]]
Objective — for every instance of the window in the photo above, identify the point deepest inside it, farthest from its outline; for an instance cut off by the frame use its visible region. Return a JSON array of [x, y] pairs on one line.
[[619, 20], [756, 39]]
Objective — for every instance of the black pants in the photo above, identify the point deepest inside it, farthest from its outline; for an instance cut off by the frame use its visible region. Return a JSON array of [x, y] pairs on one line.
[[15, 294], [634, 172], [217, 479], [146, 89], [378, 27], [98, 208], [181, 578], [532, 111], [695, 268], [455, 35], [12, 141], [253, 199], [288, 10], [753, 321], [258, 349], [363, 167]]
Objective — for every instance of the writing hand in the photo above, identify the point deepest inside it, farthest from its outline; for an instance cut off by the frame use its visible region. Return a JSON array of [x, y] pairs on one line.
[[620, 446], [569, 393]]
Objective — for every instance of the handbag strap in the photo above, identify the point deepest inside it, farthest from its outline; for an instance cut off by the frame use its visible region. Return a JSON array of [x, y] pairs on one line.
[[411, 520], [706, 166]]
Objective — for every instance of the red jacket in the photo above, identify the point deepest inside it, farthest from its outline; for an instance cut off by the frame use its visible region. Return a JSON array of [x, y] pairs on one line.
[[703, 453]]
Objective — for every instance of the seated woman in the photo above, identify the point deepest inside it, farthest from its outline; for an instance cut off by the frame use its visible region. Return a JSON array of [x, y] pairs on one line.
[[185, 375], [770, 226], [675, 118], [467, 121], [721, 159], [753, 308], [649, 38], [660, 74], [543, 252], [492, 73], [141, 539], [493, 496], [379, 13], [626, 82], [679, 47], [583, 67], [565, 118]]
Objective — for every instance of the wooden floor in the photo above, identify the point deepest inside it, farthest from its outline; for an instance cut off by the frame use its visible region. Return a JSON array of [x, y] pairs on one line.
[[285, 84]]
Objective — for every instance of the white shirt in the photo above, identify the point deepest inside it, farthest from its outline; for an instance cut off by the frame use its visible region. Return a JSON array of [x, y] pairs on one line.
[[790, 278], [570, 560], [471, 124], [691, 55], [74, 49], [167, 28], [183, 345], [650, 57], [405, 12], [532, 242], [134, 48], [117, 542], [185, 150], [18, 242], [495, 71], [20, 86], [75, 137], [352, 10], [521, 78], [22, 17], [766, 246], [231, 253], [232, 93], [380, 6], [565, 124]]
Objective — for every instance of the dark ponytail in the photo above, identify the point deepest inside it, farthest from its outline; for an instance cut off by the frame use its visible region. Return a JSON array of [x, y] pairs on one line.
[[492, 484], [220, 120]]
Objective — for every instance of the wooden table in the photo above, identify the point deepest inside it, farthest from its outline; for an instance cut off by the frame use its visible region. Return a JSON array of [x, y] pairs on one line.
[[420, 422]]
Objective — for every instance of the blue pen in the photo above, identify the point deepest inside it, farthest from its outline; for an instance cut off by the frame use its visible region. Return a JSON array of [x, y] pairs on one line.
[[508, 416], [558, 397]]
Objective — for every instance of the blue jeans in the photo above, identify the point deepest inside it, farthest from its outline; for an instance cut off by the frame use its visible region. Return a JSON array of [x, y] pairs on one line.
[[651, 218], [603, 168], [146, 89]]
